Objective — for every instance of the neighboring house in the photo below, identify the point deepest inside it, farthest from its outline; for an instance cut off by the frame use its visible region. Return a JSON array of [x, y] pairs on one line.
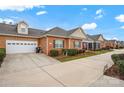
[[98, 42], [112, 44], [120, 44]]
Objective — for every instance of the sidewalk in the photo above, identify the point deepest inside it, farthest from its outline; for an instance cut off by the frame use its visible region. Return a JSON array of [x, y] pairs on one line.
[[81, 72]]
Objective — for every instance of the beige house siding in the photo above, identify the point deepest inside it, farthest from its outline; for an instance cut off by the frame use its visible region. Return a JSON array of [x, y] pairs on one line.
[[78, 33], [101, 38]]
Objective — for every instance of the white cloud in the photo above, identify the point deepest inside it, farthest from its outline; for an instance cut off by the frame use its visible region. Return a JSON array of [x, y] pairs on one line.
[[99, 16], [122, 27], [99, 13], [84, 9], [89, 26], [115, 38], [120, 18], [19, 8], [41, 12], [6, 20]]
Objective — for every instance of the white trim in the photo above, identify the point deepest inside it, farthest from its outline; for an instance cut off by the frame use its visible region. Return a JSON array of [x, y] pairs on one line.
[[18, 35], [62, 36]]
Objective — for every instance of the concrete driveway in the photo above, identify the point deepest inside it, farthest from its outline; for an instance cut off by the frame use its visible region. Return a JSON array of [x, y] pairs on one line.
[[41, 70], [85, 71], [25, 70]]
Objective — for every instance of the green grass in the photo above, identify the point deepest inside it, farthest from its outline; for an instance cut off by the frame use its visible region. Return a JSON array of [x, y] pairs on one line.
[[83, 55], [2, 50]]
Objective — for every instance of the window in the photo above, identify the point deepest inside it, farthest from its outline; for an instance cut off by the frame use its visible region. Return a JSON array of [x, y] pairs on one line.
[[59, 44], [21, 43], [90, 45], [77, 44], [13, 43], [23, 29], [25, 43], [17, 43], [9, 43]]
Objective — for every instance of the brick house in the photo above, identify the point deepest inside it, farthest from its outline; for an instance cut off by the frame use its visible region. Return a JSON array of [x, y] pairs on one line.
[[112, 43], [19, 38], [97, 42]]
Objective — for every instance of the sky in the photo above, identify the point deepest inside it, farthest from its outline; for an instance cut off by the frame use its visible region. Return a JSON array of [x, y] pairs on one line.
[[94, 19]]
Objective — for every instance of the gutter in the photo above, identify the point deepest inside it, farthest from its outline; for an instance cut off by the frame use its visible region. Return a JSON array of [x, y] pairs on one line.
[[19, 35], [61, 36]]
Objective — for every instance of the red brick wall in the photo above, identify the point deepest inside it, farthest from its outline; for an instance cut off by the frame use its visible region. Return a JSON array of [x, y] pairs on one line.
[[51, 40], [43, 44], [72, 43], [66, 43], [4, 38]]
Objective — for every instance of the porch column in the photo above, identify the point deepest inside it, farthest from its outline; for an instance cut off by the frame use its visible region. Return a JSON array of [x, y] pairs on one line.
[[92, 45], [81, 44], [87, 45]]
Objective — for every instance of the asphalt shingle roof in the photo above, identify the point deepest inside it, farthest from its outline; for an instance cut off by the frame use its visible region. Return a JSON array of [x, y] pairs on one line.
[[57, 31], [12, 30]]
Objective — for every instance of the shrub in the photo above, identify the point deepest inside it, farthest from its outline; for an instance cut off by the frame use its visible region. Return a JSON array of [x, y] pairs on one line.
[[121, 56], [2, 55], [120, 64], [54, 53], [64, 51], [72, 52], [106, 48], [115, 58], [81, 51]]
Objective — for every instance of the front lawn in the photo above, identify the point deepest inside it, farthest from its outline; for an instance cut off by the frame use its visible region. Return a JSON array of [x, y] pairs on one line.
[[64, 58], [2, 55]]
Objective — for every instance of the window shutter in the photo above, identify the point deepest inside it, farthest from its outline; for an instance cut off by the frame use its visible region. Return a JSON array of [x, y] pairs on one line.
[[63, 44], [79, 44], [53, 43], [74, 44]]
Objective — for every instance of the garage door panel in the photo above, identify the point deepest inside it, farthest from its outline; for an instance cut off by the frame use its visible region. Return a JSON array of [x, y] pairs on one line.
[[20, 46]]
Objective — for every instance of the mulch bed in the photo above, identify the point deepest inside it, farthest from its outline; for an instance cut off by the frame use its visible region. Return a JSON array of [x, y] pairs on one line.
[[114, 72]]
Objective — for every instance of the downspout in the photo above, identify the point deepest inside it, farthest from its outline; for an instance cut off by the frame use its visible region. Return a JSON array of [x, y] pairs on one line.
[[47, 45], [69, 43]]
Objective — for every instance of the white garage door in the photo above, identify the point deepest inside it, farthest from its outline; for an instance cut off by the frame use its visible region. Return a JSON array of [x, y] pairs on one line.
[[15, 46]]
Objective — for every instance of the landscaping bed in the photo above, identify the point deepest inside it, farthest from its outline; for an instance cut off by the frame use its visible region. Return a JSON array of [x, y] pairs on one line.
[[64, 58], [2, 55], [117, 70]]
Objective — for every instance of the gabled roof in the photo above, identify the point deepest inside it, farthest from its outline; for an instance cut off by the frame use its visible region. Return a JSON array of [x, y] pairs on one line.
[[9, 29], [95, 37], [73, 30], [56, 31], [61, 32]]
